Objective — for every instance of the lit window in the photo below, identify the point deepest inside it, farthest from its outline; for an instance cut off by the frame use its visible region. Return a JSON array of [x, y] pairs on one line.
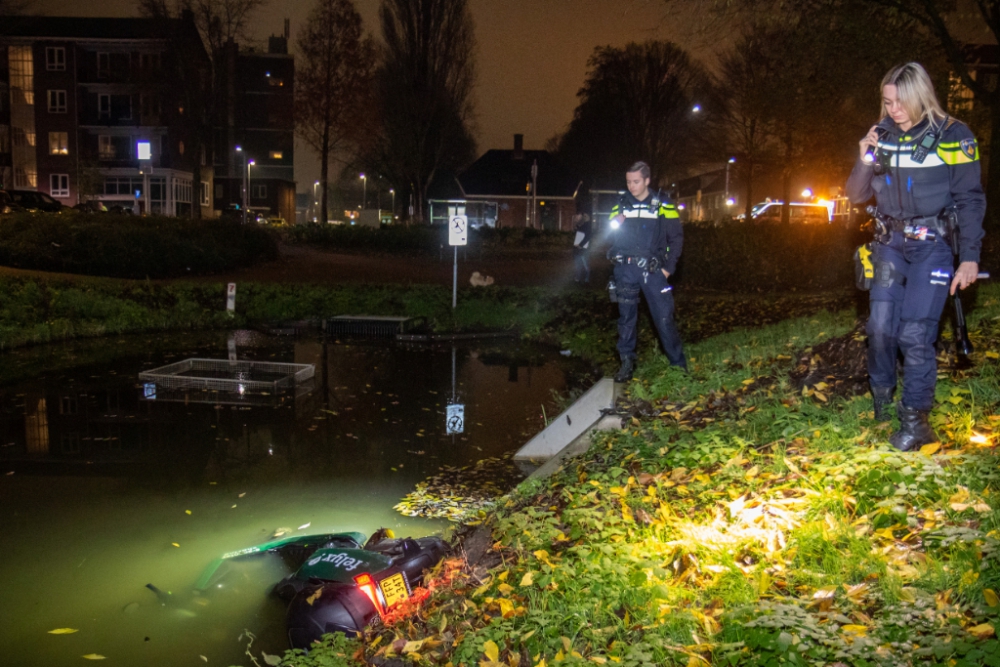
[[58, 143], [55, 58], [59, 185], [57, 101], [105, 147], [276, 155]]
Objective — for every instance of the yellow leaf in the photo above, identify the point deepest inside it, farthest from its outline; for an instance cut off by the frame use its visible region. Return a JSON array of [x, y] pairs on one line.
[[175, 544], [503, 575], [541, 664], [753, 472], [992, 355], [982, 631], [855, 629], [413, 647], [505, 589], [627, 514], [764, 583], [527, 579], [68, 631], [991, 597], [187, 511], [960, 496], [931, 449], [567, 644], [506, 607], [598, 659], [94, 656], [560, 656], [491, 650], [749, 381]]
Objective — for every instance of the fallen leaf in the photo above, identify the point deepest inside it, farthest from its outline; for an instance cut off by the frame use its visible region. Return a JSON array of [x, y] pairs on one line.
[[991, 597], [982, 631], [203, 657], [63, 631], [175, 544], [527, 580], [187, 512], [273, 660], [491, 650], [931, 449], [304, 526], [94, 656]]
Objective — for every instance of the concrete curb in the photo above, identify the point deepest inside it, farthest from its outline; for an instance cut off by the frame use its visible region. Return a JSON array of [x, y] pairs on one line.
[[569, 434]]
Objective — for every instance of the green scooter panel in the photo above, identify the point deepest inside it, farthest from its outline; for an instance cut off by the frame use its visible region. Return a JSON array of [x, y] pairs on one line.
[[341, 565]]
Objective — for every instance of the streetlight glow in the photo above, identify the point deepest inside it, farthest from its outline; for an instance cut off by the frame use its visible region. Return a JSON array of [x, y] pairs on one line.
[[807, 193], [364, 191]]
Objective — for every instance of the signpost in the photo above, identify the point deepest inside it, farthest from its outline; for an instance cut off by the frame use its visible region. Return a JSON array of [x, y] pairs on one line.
[[458, 234]]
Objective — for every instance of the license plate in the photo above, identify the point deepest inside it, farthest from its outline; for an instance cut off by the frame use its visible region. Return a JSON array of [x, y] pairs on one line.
[[394, 589]]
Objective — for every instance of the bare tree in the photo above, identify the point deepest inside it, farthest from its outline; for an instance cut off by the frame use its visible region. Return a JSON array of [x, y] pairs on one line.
[[901, 27], [333, 84], [634, 105], [424, 84]]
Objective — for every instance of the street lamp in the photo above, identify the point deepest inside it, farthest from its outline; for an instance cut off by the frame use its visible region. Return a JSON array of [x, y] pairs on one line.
[[364, 191], [729, 200], [249, 164], [246, 186], [315, 200], [807, 193], [392, 191]]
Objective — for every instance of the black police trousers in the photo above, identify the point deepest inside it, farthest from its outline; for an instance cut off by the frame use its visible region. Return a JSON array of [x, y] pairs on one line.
[[630, 280], [904, 317]]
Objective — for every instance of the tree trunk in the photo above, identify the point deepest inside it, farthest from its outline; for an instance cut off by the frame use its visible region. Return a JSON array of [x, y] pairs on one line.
[[324, 173], [992, 221]]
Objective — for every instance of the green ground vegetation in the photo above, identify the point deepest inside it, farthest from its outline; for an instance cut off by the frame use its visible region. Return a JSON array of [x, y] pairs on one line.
[[42, 310], [739, 519], [121, 246]]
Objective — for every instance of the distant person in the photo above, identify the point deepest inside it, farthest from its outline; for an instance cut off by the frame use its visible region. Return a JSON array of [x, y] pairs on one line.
[[647, 238], [581, 244], [922, 167]]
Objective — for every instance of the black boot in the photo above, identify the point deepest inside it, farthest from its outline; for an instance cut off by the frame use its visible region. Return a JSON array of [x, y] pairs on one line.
[[882, 397], [624, 373], [914, 431]]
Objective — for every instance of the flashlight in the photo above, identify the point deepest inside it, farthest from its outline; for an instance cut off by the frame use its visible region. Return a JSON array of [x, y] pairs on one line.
[[869, 156]]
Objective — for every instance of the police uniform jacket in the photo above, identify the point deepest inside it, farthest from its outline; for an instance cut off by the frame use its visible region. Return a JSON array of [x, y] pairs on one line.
[[948, 177], [651, 229]]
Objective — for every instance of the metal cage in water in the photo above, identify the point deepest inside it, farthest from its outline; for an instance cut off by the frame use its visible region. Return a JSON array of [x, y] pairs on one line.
[[238, 377]]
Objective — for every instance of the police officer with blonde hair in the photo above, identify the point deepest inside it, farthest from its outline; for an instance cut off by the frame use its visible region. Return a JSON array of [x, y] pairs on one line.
[[646, 242], [922, 167]]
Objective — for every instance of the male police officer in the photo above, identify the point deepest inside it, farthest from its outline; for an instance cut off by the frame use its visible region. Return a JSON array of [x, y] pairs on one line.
[[647, 239]]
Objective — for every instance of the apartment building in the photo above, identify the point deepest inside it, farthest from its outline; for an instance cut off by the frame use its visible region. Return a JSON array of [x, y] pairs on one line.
[[106, 109]]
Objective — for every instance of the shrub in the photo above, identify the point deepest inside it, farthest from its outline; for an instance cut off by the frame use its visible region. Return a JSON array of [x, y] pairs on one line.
[[124, 247]]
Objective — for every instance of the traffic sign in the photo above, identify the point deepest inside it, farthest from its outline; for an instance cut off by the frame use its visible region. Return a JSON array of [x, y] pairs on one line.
[[454, 419], [458, 230]]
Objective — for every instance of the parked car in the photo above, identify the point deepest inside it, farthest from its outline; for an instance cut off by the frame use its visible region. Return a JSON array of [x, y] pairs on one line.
[[805, 212], [7, 205], [91, 206], [31, 200]]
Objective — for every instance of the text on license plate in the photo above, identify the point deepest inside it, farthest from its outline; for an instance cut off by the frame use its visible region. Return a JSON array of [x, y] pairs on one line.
[[394, 589]]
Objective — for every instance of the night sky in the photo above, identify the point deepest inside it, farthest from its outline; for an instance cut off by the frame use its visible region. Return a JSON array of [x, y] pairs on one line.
[[531, 56]]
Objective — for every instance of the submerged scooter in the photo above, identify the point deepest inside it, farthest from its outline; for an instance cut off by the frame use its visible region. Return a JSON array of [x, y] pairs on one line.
[[341, 583]]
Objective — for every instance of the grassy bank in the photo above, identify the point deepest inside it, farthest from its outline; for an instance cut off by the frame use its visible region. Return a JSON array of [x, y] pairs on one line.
[[742, 517], [43, 310]]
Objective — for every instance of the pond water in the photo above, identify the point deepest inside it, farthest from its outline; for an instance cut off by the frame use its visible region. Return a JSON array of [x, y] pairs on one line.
[[105, 489]]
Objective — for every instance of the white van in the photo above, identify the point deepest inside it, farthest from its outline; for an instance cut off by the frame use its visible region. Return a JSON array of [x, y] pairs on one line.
[[805, 212]]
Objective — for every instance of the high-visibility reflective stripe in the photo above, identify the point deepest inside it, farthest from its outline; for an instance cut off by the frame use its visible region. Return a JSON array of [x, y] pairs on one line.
[[957, 156]]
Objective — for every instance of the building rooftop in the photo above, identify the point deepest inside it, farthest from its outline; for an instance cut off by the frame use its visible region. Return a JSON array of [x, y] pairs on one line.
[[506, 173]]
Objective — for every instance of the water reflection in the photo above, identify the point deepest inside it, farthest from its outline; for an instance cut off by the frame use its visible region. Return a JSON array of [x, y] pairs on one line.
[[105, 489]]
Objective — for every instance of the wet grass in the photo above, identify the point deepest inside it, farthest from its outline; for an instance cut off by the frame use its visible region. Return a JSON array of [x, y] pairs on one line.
[[739, 520]]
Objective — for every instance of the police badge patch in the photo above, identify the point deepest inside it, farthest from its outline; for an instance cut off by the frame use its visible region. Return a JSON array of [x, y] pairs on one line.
[[968, 147]]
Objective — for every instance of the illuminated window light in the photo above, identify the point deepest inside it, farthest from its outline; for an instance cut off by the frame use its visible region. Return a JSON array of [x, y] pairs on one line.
[[276, 155]]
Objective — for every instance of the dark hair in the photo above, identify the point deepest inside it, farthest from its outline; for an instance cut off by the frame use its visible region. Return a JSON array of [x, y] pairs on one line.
[[640, 167]]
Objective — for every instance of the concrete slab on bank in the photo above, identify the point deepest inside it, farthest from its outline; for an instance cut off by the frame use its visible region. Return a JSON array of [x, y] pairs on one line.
[[569, 434]]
